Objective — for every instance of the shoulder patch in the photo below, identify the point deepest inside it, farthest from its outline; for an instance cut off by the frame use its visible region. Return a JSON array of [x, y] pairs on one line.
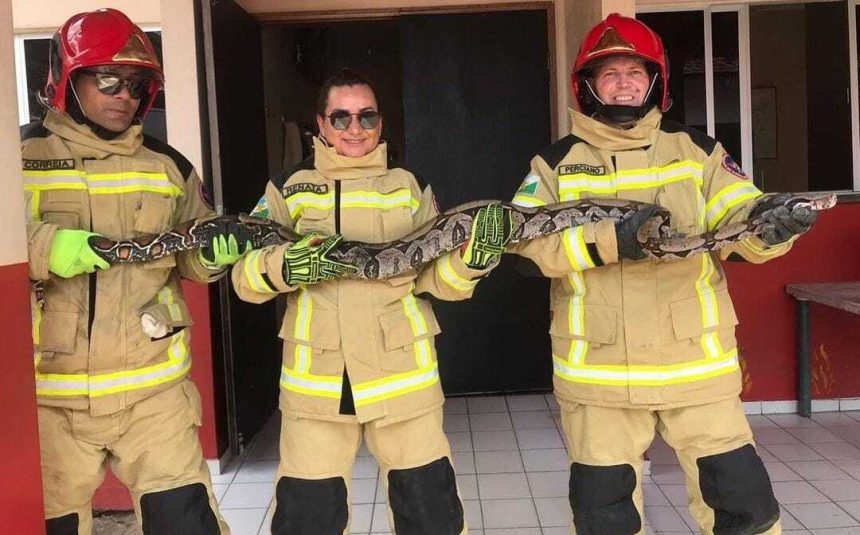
[[702, 140], [732, 167], [556, 152], [34, 129], [282, 176], [530, 185], [182, 163]]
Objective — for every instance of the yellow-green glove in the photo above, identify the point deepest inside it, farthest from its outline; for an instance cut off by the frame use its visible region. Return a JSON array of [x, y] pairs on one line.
[[71, 254], [492, 229], [224, 251], [307, 261]]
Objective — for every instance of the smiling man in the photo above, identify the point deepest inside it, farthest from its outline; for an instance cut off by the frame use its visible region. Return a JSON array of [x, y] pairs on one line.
[[112, 351]]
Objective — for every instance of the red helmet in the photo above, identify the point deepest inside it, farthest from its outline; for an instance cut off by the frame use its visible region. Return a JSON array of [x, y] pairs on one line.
[[103, 37], [621, 35]]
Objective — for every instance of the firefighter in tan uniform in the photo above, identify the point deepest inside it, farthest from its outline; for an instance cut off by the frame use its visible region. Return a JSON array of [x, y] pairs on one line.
[[112, 342], [640, 345], [359, 359]]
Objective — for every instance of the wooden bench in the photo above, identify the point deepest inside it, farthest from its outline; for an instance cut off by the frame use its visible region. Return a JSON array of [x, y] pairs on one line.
[[841, 295]]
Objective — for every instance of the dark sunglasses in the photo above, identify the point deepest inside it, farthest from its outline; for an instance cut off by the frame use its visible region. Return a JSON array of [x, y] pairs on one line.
[[111, 83], [341, 119]]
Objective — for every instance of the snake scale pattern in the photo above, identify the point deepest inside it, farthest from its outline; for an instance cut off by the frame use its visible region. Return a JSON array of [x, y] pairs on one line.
[[450, 230]]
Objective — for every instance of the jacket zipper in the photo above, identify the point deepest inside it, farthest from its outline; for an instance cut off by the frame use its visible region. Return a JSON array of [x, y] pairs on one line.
[[337, 206]]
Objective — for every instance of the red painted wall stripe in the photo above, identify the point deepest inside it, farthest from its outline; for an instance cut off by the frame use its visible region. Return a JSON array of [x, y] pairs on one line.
[[21, 509]]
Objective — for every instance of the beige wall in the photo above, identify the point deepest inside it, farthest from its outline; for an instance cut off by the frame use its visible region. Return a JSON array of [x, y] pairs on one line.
[[13, 242], [48, 15]]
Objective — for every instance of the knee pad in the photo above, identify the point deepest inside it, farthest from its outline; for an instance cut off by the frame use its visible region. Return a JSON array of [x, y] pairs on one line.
[[424, 500], [310, 506], [181, 511], [64, 525], [601, 498], [736, 486]]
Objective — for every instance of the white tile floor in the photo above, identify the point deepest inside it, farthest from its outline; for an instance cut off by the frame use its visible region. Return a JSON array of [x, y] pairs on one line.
[[512, 472]]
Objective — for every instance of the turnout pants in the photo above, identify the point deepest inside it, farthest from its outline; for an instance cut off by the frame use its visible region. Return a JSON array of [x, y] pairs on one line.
[[315, 470], [728, 487], [152, 447]]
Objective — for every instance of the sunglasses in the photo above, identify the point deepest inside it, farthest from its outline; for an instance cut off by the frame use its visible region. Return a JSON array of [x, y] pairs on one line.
[[111, 83], [341, 119]]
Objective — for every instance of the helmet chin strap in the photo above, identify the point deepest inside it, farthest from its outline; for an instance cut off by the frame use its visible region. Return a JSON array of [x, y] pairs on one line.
[[619, 114], [76, 112]]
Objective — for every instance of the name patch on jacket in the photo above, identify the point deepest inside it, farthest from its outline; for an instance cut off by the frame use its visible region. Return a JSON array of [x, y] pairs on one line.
[[582, 168], [305, 187], [48, 165]]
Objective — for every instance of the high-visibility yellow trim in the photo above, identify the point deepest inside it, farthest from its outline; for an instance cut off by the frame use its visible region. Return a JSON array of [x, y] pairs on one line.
[[253, 273], [326, 386], [452, 278], [37, 334], [726, 199], [571, 185], [576, 318], [401, 198], [766, 251], [177, 365], [395, 385], [686, 372], [710, 309], [165, 296], [298, 202], [527, 200], [422, 348], [302, 331], [576, 249], [101, 183]]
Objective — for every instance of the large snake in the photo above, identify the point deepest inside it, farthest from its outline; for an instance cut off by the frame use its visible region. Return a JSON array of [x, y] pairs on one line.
[[450, 230]]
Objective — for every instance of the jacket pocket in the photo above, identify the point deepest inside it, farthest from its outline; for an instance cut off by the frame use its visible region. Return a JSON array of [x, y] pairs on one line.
[[58, 331], [195, 406], [63, 220], [400, 328], [599, 324], [154, 213], [690, 317], [160, 320], [315, 220], [314, 327]]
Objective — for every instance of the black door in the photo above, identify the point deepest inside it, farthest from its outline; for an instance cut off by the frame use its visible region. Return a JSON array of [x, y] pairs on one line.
[[476, 109], [249, 347]]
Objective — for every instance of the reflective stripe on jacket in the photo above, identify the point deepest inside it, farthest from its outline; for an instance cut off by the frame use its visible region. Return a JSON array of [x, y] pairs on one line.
[[379, 332], [650, 333], [91, 350]]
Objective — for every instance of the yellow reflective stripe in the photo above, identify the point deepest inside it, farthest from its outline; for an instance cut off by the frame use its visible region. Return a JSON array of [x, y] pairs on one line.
[[423, 351], [575, 248], [37, 333], [726, 199], [165, 296], [576, 318], [452, 278], [687, 372], [101, 183], [302, 331], [383, 201], [327, 386], [766, 250], [631, 179], [176, 366], [298, 202], [395, 385], [710, 309], [253, 273], [527, 200], [35, 200]]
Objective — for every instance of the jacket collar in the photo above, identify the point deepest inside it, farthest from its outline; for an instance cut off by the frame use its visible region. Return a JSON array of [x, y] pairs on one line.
[[87, 143], [603, 136], [336, 167]]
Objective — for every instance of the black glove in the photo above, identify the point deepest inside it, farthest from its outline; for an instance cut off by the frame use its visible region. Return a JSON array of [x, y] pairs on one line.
[[625, 234], [780, 222]]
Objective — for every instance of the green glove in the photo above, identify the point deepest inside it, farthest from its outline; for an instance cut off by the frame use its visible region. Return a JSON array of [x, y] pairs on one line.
[[71, 254], [224, 251], [307, 262], [492, 229]]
